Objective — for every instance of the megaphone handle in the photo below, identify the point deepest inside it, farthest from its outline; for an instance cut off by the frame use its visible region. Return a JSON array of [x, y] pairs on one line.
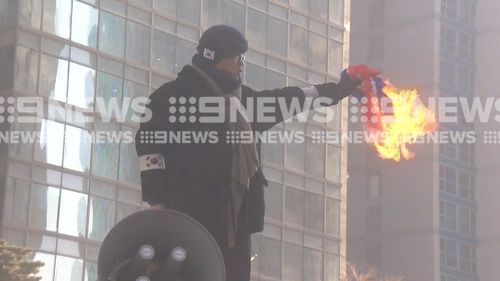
[[170, 269], [138, 265], [168, 272]]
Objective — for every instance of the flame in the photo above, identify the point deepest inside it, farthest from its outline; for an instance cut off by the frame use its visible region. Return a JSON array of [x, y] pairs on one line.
[[409, 119]]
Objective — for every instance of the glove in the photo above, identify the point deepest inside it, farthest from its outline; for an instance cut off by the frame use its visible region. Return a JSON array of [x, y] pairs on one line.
[[345, 87]]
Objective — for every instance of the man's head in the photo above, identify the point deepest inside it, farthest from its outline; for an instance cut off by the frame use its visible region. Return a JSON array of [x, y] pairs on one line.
[[224, 48]]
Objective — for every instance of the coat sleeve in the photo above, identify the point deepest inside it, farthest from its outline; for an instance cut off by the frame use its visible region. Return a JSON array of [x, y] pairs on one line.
[[153, 155], [292, 97]]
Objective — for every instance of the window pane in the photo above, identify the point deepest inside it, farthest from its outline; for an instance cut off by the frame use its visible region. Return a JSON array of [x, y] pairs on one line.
[[184, 53], [293, 263], [270, 262], [168, 7], [106, 153], [56, 17], [302, 5], [298, 44], [274, 152], [163, 58], [255, 76], [15, 202], [223, 11], [46, 272], [212, 12], [123, 210], [103, 189], [30, 13], [75, 182], [50, 148], [332, 216], [137, 48], [77, 149], [73, 214], [294, 206], [134, 90], [21, 149], [142, 3], [317, 52], [314, 212], [189, 10], [447, 73], [68, 269], [90, 271], [296, 154], [315, 158], [234, 14], [257, 25], [129, 164], [333, 163], [112, 34], [274, 201], [26, 70], [84, 28], [43, 207], [313, 261], [332, 267], [377, 14], [109, 94], [255, 253], [336, 58], [319, 8], [81, 85], [277, 36], [337, 11], [53, 78], [101, 217], [70, 247], [274, 80]]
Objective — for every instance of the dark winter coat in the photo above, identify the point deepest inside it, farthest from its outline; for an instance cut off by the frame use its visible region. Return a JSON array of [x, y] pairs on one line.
[[196, 177]]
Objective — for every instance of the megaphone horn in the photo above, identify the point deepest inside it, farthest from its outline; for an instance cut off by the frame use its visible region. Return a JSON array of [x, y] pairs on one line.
[[159, 245]]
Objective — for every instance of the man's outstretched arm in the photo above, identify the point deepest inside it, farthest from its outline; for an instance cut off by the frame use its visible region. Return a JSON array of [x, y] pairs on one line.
[[284, 103]]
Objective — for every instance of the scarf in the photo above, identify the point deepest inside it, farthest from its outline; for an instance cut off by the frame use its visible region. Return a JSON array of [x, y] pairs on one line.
[[244, 155]]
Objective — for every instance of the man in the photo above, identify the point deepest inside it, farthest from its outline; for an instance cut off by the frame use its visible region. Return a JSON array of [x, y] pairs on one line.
[[217, 183]]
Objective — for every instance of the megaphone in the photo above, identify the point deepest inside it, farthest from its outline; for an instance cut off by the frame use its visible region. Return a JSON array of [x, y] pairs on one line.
[[160, 245]]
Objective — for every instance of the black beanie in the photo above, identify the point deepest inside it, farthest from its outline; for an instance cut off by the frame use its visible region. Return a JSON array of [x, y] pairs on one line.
[[221, 41]]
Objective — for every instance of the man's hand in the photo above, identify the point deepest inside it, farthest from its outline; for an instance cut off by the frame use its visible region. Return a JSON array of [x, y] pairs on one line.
[[350, 83], [345, 87]]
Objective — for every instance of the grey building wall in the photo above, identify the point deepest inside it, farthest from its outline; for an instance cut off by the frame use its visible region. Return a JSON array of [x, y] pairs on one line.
[[487, 162]]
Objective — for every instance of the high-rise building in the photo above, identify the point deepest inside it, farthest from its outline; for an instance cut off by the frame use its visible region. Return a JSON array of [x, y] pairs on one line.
[[61, 193], [487, 160], [417, 218]]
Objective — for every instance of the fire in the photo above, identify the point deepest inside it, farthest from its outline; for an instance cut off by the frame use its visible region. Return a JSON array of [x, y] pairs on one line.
[[408, 119]]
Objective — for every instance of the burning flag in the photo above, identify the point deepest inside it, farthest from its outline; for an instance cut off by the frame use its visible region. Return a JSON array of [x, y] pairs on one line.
[[397, 116]]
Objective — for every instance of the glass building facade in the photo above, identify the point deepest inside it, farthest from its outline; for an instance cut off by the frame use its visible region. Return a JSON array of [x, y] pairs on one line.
[[457, 200], [61, 193]]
